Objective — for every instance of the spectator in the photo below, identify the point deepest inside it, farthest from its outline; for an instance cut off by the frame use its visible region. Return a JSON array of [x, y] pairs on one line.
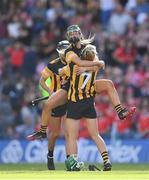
[[1, 63], [124, 129], [6, 114], [119, 21], [28, 124], [44, 47], [30, 61], [106, 8], [3, 27], [16, 53], [125, 53], [14, 27], [143, 126], [38, 15], [142, 38]]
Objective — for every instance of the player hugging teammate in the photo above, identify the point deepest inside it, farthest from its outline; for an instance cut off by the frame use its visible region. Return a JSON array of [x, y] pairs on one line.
[[79, 91]]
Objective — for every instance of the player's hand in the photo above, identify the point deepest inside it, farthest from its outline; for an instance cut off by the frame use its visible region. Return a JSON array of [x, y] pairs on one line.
[[63, 82], [80, 70], [102, 64]]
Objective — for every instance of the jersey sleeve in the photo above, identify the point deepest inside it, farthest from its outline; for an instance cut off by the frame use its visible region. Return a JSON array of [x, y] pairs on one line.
[[49, 70], [53, 68], [46, 73], [66, 70], [68, 53]]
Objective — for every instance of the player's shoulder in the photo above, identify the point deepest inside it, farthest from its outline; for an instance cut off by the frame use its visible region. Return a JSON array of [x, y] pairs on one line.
[[54, 61], [52, 65], [68, 49]]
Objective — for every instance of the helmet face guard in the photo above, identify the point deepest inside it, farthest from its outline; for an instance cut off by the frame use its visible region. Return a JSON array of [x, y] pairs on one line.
[[61, 47], [74, 34]]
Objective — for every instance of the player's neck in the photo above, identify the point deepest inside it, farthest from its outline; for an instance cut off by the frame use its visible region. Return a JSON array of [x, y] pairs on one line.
[[78, 45]]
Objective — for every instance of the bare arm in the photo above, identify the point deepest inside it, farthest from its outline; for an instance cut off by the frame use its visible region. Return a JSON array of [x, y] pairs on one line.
[[61, 72], [80, 70], [64, 71], [101, 62], [91, 68], [43, 84], [72, 57]]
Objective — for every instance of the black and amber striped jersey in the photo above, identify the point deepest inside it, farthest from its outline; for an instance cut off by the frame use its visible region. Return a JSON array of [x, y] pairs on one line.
[[51, 70], [81, 86], [73, 49]]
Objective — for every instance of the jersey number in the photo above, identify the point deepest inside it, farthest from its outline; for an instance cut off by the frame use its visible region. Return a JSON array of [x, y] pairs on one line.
[[87, 77]]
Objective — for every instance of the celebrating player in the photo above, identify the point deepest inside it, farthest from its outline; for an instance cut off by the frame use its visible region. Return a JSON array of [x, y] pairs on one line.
[[80, 101], [57, 99], [60, 96], [60, 111]]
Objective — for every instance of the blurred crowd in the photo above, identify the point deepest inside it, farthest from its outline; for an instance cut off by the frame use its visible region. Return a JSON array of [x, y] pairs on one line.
[[29, 33]]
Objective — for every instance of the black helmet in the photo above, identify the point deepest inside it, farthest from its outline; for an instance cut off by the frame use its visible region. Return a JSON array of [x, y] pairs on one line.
[[62, 45], [74, 34]]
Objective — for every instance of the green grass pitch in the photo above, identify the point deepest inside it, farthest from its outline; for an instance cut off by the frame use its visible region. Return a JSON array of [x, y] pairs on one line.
[[39, 171]]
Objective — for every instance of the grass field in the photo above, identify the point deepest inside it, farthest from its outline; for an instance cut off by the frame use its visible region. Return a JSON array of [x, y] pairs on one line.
[[39, 171]]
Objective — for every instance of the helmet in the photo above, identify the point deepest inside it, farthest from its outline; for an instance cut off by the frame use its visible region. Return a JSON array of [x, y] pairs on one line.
[[74, 34], [62, 45]]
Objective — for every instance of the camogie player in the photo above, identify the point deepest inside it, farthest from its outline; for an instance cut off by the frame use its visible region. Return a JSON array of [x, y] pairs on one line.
[[60, 96], [80, 102], [58, 112]]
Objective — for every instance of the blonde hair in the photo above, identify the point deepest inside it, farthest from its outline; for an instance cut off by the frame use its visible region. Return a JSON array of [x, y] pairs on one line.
[[87, 41]]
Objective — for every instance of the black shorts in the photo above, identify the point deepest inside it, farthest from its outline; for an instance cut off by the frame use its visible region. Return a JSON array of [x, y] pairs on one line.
[[66, 86], [83, 108], [59, 111]]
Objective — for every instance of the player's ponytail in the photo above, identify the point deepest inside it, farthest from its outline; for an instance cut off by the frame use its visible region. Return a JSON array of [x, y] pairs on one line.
[[89, 40]]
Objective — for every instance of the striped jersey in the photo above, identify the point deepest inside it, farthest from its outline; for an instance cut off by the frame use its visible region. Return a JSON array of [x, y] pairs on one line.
[[51, 70]]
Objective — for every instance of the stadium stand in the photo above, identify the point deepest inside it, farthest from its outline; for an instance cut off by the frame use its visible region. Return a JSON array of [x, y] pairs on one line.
[[29, 33]]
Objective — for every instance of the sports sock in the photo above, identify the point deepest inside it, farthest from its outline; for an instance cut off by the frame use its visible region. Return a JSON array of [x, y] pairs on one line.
[[43, 129], [118, 108], [105, 157], [50, 153]]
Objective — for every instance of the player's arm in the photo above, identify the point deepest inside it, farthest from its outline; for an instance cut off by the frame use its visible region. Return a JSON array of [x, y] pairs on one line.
[[80, 70], [72, 57], [65, 71], [45, 74], [43, 84], [101, 62]]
